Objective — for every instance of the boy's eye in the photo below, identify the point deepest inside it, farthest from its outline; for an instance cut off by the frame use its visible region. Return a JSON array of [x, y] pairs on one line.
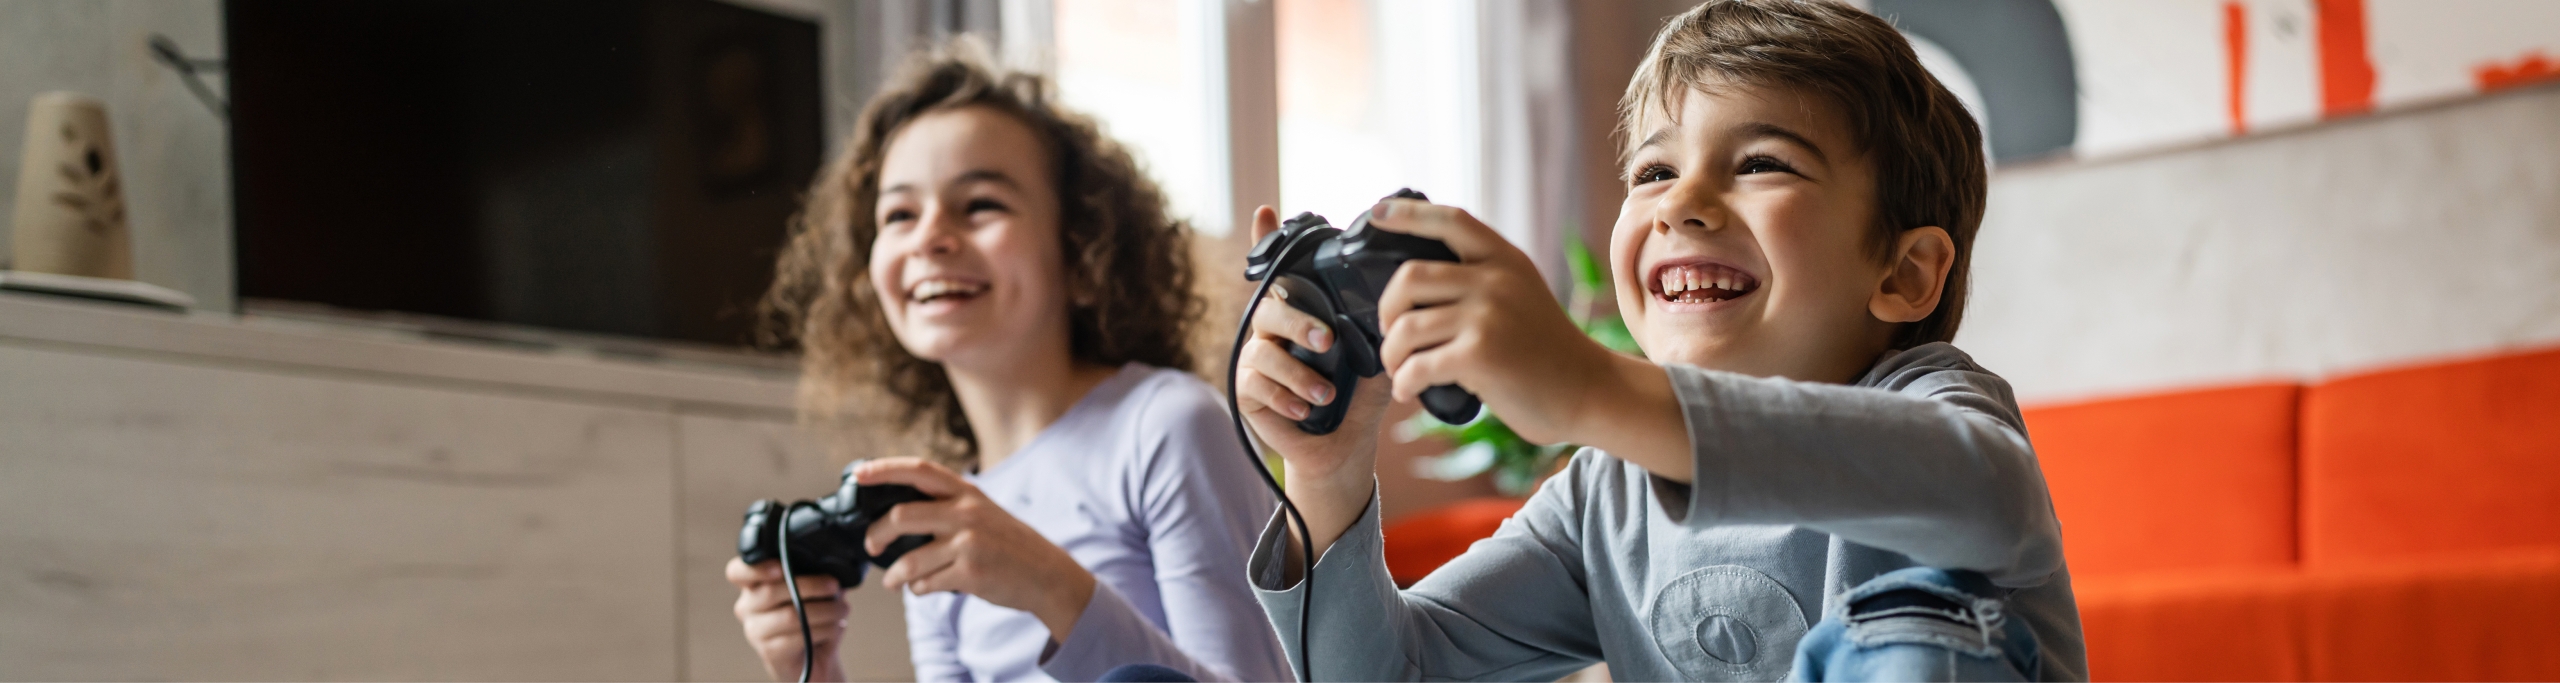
[[1654, 174], [1763, 165]]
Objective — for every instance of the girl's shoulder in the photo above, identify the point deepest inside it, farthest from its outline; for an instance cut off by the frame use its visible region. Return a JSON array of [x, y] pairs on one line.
[[1150, 399]]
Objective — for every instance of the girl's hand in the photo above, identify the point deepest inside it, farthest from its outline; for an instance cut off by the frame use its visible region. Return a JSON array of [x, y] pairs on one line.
[[977, 547], [1330, 476], [764, 608], [1489, 324]]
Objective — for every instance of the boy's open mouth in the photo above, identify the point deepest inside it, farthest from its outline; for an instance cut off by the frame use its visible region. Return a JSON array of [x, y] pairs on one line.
[[1699, 283], [939, 288]]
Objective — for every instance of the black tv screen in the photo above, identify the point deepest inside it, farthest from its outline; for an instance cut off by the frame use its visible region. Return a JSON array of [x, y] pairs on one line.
[[613, 166]]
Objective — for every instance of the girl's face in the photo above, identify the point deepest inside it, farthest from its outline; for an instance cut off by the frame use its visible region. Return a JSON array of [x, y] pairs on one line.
[[968, 263]]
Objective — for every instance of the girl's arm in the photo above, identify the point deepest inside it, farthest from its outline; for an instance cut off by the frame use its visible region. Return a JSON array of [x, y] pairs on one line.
[[1200, 503]]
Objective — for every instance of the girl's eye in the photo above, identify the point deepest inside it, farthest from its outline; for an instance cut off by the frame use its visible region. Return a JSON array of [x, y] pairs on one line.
[[1763, 165], [977, 205], [1654, 174], [897, 216]]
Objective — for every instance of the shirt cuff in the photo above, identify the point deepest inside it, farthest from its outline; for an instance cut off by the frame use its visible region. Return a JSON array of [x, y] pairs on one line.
[[1358, 597], [1108, 634]]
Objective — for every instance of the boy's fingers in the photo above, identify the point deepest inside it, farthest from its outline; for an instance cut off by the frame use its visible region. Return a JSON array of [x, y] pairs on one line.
[[1419, 284], [1265, 220], [1259, 393], [1453, 226], [1429, 368], [928, 477], [1416, 332], [1277, 367], [1275, 317]]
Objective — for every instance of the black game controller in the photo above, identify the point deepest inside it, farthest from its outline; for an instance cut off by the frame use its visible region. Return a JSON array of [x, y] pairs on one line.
[[826, 536], [1336, 276]]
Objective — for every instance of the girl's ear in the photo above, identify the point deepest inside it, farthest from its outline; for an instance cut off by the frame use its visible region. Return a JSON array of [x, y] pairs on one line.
[[1916, 277]]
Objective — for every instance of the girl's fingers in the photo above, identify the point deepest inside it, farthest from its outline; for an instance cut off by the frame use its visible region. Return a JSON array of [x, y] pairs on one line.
[[745, 575], [929, 477], [937, 518], [922, 562], [774, 596]]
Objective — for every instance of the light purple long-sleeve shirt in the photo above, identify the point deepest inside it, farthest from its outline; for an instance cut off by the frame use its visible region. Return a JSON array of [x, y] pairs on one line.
[[1143, 482]]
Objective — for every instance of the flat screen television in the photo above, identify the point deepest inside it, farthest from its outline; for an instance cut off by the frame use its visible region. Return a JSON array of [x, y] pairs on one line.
[[624, 167]]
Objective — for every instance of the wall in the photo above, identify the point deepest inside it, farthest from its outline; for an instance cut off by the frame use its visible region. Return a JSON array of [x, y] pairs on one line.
[[2370, 241], [173, 149], [201, 498]]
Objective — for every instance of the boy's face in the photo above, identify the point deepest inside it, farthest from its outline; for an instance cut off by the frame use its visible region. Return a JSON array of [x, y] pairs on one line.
[[1743, 244]]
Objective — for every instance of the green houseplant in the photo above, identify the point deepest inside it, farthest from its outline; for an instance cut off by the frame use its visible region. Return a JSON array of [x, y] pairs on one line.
[[1486, 444]]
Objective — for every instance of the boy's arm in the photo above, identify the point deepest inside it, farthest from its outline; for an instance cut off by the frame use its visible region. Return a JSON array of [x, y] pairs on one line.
[[1513, 607], [1940, 472], [1933, 464]]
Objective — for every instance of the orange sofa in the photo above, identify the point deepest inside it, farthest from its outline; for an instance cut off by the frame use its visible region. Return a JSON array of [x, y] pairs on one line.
[[2393, 525]]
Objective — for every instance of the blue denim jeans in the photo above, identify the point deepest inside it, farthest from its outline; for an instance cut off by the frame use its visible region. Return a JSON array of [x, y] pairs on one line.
[[1919, 624]]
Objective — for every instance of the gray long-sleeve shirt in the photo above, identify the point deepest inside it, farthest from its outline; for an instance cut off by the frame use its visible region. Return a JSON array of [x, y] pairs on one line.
[[1803, 491]]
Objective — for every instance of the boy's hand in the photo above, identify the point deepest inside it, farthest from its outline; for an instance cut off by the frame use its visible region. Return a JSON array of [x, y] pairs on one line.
[[1330, 476], [1489, 324]]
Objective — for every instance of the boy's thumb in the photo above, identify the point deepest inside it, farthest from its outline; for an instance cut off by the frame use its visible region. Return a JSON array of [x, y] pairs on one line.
[[1265, 220]]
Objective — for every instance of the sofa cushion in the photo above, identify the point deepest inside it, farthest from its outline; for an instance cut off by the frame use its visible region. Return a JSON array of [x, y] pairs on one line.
[[1420, 542], [2184, 480], [2206, 625], [2444, 459], [2483, 617]]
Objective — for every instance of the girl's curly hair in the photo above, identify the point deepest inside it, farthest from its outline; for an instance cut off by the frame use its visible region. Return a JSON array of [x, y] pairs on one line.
[[1124, 255]]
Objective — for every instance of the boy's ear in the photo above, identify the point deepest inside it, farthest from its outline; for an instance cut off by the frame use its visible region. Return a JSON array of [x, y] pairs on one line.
[[1916, 277]]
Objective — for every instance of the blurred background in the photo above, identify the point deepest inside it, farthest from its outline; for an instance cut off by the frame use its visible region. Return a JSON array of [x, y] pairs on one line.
[[410, 339]]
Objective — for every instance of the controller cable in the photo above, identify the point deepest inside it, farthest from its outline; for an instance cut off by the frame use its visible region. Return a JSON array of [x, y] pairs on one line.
[[1306, 541], [782, 547]]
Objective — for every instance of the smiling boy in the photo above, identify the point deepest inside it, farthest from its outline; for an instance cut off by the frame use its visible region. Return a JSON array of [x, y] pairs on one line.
[[1810, 480]]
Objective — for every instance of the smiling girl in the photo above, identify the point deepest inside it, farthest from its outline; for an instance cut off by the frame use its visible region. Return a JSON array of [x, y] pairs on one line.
[[1005, 278]]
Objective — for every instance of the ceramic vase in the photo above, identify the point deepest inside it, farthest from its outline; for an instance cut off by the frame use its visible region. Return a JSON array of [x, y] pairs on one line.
[[70, 213]]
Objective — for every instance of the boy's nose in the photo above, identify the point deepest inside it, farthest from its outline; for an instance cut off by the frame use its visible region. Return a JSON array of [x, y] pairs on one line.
[[1690, 204]]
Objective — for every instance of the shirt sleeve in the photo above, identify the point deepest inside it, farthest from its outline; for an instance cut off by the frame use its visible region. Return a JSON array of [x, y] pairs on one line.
[[1512, 607], [1199, 502], [933, 640], [1928, 459]]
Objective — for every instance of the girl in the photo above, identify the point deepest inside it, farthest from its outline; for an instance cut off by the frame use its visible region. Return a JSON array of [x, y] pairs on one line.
[[1006, 279]]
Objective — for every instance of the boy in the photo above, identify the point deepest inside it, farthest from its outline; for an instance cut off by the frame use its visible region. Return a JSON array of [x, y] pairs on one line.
[[1801, 197]]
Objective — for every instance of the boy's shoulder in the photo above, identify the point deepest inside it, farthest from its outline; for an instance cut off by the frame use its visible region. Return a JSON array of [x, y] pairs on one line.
[[1940, 371]]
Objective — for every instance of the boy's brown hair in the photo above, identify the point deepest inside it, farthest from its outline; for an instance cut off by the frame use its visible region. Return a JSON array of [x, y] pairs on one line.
[[1926, 148], [1130, 261]]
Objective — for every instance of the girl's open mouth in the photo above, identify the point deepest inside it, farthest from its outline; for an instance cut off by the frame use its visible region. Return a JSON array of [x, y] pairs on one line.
[[943, 288]]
